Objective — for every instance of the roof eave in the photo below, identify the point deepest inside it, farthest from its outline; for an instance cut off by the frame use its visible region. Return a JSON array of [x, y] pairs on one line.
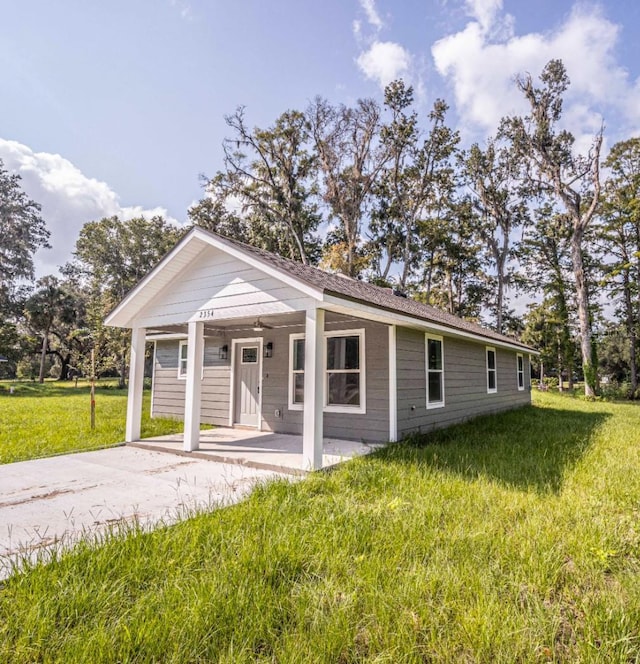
[[394, 317]]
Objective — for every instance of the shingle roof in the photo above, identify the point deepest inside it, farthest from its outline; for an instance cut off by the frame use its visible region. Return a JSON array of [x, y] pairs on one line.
[[361, 291]]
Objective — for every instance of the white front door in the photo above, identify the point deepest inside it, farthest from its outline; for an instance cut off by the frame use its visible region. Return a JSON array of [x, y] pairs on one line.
[[247, 384]]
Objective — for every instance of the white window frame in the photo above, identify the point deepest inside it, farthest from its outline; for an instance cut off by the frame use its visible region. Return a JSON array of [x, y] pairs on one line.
[[495, 369], [183, 376], [334, 408], [343, 408], [427, 338], [520, 372], [292, 404]]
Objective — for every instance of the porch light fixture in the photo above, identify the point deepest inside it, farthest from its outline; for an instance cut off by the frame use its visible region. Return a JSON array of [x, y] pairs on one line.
[[268, 349], [223, 352]]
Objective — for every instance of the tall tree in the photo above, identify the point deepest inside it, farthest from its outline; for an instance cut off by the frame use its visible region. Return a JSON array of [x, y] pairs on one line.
[[22, 230], [271, 173], [553, 170], [350, 159], [22, 233], [50, 310], [501, 200], [545, 259], [620, 242], [215, 212], [453, 266], [544, 328], [415, 186], [110, 257]]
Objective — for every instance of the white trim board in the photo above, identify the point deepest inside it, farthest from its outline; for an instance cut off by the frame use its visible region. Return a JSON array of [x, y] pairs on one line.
[[349, 307], [332, 408]]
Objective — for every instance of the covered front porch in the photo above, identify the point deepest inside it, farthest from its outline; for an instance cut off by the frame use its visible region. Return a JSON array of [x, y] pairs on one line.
[[243, 340], [257, 449]]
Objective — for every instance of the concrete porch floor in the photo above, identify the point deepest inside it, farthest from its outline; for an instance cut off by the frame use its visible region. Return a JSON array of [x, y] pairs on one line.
[[257, 449]]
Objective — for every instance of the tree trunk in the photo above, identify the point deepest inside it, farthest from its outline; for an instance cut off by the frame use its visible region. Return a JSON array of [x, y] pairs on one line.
[[560, 385], [500, 298], [631, 331], [582, 296], [429, 277], [43, 355], [64, 366]]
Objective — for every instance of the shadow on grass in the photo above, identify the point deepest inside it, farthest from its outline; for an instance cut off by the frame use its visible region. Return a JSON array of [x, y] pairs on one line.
[[49, 390], [529, 448]]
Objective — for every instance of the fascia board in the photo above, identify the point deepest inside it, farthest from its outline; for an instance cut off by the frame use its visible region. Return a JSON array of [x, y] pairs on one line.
[[341, 305]]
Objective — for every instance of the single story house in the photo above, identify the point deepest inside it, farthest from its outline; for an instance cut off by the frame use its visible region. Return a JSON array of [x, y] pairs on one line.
[[250, 339]]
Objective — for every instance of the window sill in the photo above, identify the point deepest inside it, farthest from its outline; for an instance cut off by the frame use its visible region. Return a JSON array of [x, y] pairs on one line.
[[435, 404], [353, 410], [359, 410]]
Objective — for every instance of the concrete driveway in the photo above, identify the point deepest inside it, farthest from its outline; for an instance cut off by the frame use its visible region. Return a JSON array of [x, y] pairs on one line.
[[53, 502]]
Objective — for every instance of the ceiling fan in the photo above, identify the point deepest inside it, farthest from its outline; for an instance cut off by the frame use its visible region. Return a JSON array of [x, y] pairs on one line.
[[259, 326]]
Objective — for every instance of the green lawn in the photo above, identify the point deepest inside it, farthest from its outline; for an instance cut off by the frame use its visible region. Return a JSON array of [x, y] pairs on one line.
[[513, 538], [54, 418]]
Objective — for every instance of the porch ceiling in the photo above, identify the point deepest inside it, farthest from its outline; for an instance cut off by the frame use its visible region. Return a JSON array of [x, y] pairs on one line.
[[270, 322]]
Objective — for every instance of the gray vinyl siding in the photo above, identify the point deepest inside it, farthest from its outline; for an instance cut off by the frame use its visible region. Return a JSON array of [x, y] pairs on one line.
[[169, 390], [370, 426], [465, 382]]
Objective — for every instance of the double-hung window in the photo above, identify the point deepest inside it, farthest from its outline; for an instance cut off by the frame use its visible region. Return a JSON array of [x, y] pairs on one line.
[[296, 378], [344, 371], [182, 360], [435, 372], [344, 374], [520, 371], [492, 370]]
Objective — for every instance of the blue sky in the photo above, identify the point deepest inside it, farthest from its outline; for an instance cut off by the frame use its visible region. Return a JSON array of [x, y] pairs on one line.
[[116, 107]]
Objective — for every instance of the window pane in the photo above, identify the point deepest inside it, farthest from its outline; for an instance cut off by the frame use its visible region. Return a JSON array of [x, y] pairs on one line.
[[435, 354], [491, 359], [249, 355], [344, 389], [435, 387], [343, 353], [298, 354], [298, 388], [520, 364], [183, 352], [492, 380]]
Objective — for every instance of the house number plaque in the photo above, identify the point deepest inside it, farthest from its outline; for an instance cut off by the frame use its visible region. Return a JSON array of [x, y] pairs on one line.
[[206, 313]]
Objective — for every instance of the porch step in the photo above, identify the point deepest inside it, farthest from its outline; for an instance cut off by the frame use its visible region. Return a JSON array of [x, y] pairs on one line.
[[219, 458]]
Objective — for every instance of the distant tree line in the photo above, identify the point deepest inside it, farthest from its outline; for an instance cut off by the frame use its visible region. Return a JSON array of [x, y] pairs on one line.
[[380, 192]]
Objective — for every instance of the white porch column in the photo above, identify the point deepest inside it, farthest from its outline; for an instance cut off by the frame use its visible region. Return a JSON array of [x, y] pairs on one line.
[[393, 386], [314, 363], [136, 383], [192, 403]]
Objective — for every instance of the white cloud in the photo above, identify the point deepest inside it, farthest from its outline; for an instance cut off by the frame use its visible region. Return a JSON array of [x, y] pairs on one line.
[[484, 12], [482, 61], [68, 198], [371, 12], [384, 61]]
